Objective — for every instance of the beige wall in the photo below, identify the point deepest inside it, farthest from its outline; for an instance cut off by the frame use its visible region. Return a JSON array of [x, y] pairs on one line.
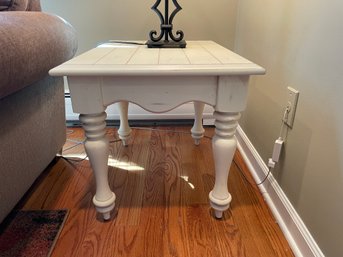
[[98, 21], [300, 43]]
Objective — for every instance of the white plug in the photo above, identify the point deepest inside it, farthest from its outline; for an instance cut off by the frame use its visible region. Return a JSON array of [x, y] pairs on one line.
[[277, 150], [271, 163]]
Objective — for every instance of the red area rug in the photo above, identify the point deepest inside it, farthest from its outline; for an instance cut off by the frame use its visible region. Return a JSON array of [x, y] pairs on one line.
[[31, 233]]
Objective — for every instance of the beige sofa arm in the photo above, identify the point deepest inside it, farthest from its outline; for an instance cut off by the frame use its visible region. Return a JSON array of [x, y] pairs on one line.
[[32, 43]]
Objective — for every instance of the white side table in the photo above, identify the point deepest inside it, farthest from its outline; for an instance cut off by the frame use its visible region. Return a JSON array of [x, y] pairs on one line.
[[159, 80]]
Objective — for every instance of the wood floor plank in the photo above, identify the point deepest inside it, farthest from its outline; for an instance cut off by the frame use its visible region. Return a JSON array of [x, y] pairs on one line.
[[132, 165], [193, 166], [153, 221], [161, 181], [174, 236], [202, 239]]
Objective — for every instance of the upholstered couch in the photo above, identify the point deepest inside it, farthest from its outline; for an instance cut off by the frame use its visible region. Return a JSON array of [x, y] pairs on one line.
[[32, 118]]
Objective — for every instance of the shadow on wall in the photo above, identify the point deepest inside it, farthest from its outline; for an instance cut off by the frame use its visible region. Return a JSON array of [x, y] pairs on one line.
[[290, 170], [293, 159]]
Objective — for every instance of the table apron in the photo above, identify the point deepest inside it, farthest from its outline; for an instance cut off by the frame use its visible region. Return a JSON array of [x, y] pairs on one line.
[[157, 94]]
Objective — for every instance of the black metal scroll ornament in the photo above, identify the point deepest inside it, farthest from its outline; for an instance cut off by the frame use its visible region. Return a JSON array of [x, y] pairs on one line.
[[166, 38]]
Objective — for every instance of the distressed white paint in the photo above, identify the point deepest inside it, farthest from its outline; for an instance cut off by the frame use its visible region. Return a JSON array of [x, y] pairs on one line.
[[159, 80]]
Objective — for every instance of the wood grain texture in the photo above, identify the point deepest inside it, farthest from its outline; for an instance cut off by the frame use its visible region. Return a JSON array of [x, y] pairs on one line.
[[161, 181]]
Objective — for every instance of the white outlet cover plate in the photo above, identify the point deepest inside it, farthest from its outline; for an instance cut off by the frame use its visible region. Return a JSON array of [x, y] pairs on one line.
[[292, 102]]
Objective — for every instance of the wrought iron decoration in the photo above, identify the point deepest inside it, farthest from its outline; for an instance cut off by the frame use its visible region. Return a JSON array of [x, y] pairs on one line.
[[166, 38]]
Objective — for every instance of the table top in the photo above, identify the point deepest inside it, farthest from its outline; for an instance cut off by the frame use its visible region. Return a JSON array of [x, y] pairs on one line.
[[118, 59]]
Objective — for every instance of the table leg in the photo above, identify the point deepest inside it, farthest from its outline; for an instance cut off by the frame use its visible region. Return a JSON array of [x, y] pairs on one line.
[[97, 149], [224, 145], [197, 129], [124, 130]]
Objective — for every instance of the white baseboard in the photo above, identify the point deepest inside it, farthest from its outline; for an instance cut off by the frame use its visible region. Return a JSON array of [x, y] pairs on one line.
[[294, 229]]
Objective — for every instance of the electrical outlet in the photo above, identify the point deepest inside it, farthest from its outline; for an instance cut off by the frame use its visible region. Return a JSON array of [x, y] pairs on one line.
[[292, 102]]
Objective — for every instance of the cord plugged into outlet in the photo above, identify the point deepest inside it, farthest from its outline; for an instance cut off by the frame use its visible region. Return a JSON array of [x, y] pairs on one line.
[[287, 120]]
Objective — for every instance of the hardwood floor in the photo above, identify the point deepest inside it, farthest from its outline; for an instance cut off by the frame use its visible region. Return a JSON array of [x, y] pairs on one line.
[[161, 181]]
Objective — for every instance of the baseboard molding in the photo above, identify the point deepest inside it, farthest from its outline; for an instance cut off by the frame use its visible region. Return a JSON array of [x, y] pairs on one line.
[[294, 229]]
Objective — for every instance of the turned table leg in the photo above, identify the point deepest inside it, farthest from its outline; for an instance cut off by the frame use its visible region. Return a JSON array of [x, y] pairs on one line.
[[124, 130], [224, 146], [97, 149], [197, 129]]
